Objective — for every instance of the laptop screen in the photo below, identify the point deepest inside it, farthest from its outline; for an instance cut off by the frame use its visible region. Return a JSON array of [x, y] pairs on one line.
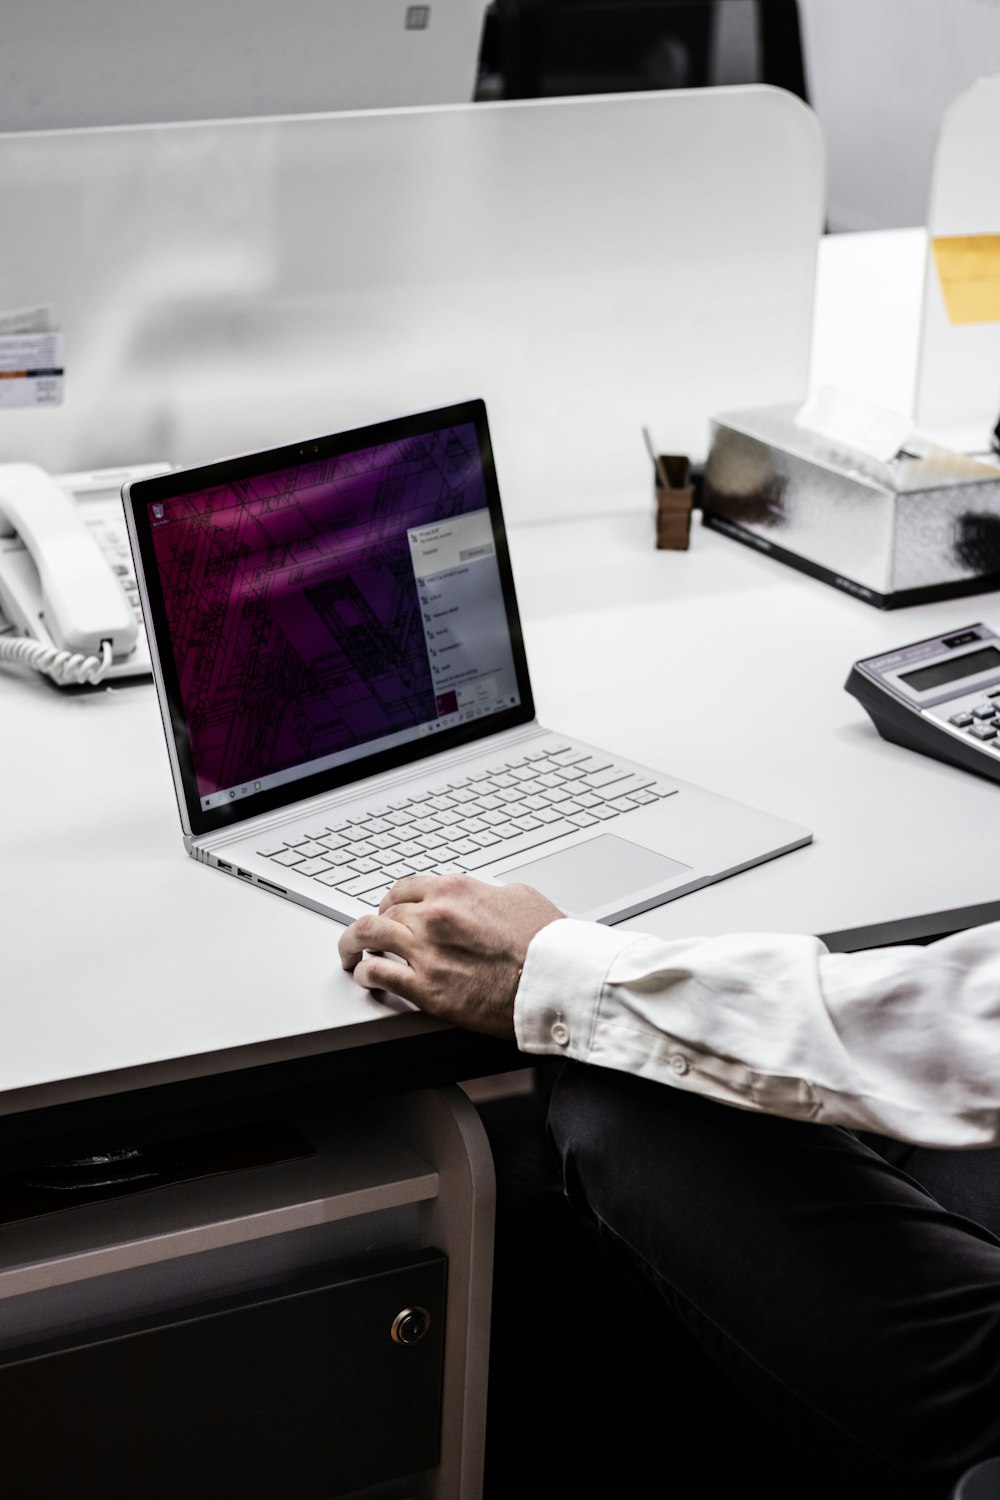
[[329, 609]]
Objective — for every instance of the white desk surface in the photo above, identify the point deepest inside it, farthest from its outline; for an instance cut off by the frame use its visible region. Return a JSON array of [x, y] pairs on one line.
[[126, 963]]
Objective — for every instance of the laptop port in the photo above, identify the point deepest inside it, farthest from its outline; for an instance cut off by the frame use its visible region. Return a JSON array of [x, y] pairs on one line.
[[267, 886], [223, 866], [243, 874]]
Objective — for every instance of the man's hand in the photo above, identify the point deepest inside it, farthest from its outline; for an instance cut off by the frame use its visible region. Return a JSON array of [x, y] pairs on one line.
[[462, 944]]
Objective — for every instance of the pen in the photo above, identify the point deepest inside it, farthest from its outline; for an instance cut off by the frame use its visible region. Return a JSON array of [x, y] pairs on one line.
[[661, 473]]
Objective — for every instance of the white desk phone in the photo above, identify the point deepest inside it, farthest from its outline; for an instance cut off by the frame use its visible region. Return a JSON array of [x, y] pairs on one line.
[[69, 606]]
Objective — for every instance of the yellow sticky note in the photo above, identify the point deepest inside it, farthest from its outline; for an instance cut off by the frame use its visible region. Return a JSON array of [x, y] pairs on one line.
[[968, 267]]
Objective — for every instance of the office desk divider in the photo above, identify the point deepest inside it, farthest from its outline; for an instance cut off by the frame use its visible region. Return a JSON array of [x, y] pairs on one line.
[[604, 261], [957, 395]]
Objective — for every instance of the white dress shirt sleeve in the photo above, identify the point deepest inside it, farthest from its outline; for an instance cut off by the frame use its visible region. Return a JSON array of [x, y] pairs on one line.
[[904, 1040]]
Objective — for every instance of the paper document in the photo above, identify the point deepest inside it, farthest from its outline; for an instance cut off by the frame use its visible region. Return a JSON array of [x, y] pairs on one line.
[[968, 267], [31, 358]]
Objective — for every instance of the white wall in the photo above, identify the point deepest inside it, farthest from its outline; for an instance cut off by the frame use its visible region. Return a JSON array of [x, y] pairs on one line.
[[68, 63], [880, 74]]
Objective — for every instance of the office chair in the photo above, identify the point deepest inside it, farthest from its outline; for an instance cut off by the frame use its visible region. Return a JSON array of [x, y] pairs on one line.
[[541, 48], [552, 47]]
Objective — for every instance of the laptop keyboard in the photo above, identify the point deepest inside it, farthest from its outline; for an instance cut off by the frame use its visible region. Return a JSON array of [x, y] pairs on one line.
[[469, 823]]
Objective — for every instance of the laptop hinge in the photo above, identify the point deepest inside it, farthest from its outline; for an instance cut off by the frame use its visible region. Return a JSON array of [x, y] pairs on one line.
[[381, 787]]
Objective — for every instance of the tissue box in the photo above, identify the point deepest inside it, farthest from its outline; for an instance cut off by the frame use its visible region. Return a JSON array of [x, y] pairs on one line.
[[923, 526]]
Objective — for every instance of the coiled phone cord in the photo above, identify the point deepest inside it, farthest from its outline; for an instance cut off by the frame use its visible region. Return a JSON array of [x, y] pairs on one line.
[[67, 668]]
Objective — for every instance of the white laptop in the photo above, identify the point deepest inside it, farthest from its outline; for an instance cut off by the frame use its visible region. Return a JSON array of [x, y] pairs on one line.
[[337, 653]]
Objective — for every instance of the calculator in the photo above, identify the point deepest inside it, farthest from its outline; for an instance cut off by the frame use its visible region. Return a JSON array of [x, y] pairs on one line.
[[940, 696]]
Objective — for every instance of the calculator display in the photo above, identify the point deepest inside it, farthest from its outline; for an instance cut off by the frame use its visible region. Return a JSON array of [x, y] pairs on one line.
[[952, 670]]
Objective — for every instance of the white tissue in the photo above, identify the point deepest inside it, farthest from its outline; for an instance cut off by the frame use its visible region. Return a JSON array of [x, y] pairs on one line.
[[854, 424]]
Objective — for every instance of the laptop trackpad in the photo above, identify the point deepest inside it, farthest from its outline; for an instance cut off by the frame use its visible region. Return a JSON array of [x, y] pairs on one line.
[[592, 874]]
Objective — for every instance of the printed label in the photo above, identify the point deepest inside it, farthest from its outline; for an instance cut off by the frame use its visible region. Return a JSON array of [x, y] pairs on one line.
[[31, 369]]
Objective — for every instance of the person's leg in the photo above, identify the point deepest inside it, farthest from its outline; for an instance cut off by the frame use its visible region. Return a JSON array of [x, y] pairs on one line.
[[585, 1358], [966, 1182], [858, 1312]]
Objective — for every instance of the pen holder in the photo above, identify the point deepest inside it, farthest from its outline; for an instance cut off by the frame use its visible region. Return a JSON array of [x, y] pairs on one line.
[[673, 503]]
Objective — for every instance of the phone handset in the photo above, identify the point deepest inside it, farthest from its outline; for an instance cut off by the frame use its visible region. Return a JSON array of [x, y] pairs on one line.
[[59, 592]]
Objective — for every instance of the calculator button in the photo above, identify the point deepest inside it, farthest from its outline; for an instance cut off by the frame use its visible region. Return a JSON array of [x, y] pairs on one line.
[[984, 711], [983, 732], [960, 720]]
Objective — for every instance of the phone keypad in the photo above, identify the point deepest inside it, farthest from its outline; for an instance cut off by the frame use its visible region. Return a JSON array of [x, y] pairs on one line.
[[106, 524]]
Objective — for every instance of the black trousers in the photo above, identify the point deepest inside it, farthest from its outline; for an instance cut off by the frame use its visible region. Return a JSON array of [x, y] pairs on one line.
[[845, 1288]]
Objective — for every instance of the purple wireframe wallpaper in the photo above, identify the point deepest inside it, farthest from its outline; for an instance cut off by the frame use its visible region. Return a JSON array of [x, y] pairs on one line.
[[292, 603]]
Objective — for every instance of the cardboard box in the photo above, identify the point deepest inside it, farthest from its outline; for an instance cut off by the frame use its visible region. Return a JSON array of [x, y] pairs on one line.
[[923, 526]]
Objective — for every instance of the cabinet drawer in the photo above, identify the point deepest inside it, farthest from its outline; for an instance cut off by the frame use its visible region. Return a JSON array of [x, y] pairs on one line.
[[305, 1390]]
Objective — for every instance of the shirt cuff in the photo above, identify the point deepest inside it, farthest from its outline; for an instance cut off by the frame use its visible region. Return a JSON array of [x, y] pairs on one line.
[[559, 993]]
